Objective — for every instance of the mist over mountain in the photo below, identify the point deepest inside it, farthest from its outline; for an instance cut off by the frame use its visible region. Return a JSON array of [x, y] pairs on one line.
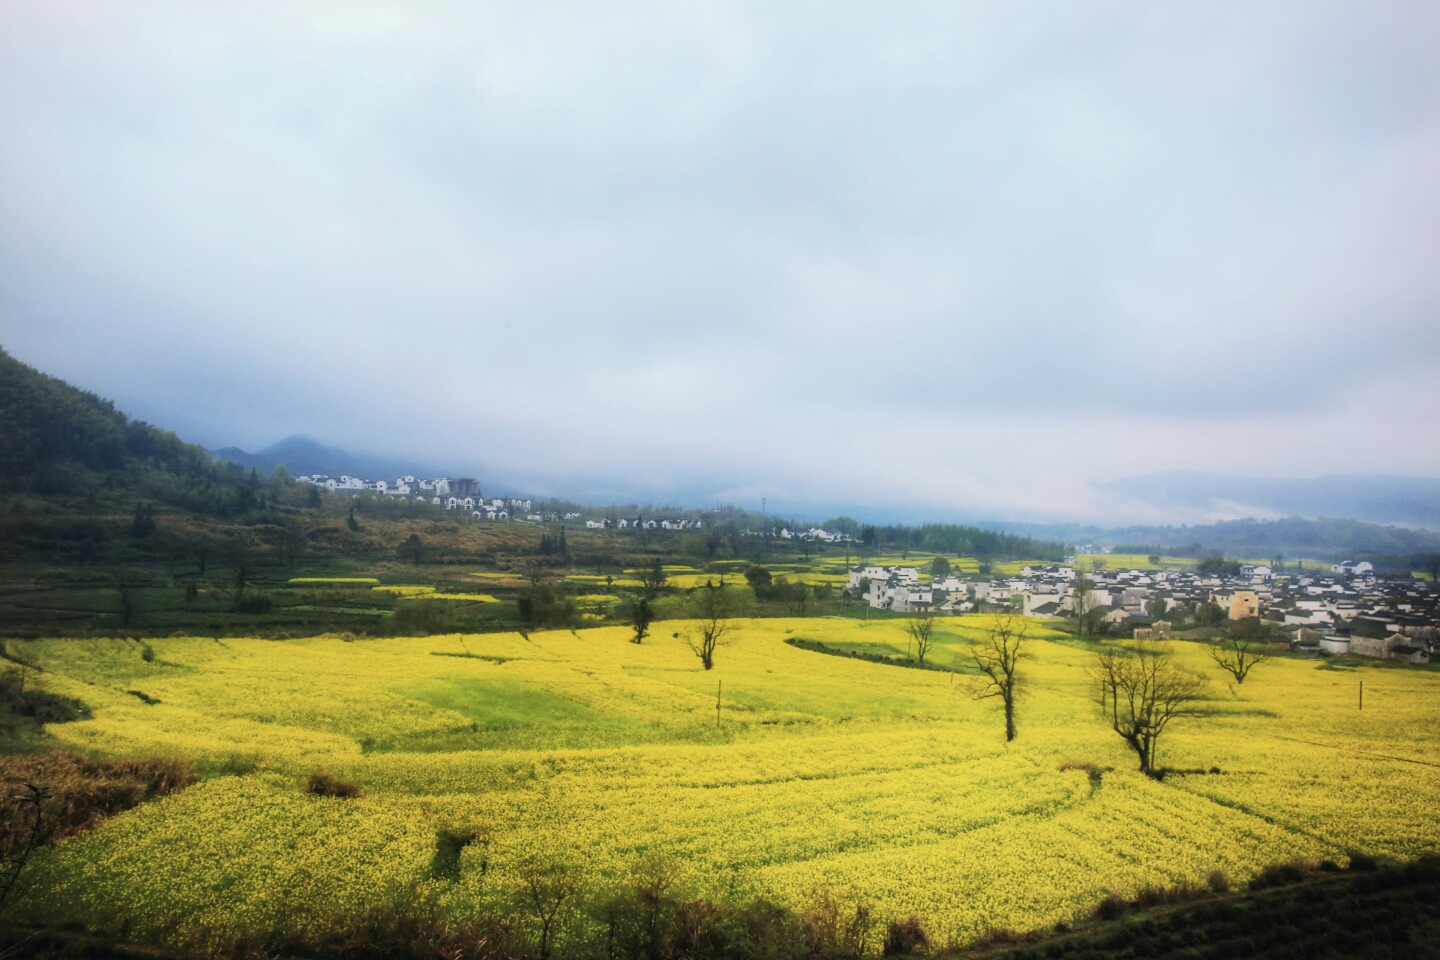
[[1193, 497], [304, 455]]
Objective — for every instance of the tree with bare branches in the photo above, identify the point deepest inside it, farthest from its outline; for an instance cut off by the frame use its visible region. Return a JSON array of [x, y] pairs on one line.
[[1247, 647], [714, 606], [545, 886], [1084, 605], [920, 630], [15, 851], [1141, 690], [997, 658]]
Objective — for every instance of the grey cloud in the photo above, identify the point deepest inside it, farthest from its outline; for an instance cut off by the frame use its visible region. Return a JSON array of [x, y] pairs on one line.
[[694, 249]]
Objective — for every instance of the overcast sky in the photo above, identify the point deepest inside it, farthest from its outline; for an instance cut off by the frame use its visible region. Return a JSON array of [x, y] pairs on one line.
[[963, 259]]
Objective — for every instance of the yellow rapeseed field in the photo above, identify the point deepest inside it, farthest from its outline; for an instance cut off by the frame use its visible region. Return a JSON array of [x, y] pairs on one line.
[[889, 784]]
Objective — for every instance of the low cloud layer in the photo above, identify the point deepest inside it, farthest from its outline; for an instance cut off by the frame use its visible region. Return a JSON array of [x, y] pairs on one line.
[[963, 262]]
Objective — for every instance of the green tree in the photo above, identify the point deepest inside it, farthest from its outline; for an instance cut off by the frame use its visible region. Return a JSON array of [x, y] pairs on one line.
[[281, 472], [939, 568], [142, 525], [312, 498], [758, 577], [548, 608], [1218, 567], [652, 579], [412, 549], [641, 616], [1209, 613], [1157, 607]]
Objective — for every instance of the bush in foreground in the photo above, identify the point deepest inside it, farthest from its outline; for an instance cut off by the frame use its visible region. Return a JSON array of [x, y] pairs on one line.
[[324, 784]]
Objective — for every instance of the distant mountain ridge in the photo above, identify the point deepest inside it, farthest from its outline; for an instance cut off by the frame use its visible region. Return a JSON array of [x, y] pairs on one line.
[[1207, 497], [303, 456], [1292, 537]]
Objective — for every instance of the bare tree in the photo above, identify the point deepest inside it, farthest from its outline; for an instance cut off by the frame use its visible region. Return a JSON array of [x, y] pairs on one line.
[[242, 566], [654, 879], [1142, 689], [1084, 604], [715, 605], [920, 630], [1242, 651], [18, 847], [293, 543], [545, 886], [997, 657], [129, 601]]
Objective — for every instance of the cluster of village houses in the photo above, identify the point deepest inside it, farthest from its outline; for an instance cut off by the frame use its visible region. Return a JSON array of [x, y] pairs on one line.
[[463, 494], [1346, 609]]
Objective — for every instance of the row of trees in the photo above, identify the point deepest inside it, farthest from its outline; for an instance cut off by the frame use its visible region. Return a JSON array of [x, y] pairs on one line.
[[1141, 688]]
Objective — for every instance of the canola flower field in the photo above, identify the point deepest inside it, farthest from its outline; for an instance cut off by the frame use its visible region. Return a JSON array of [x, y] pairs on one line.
[[882, 783]]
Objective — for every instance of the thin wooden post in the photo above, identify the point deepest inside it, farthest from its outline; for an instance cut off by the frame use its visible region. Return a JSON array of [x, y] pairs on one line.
[[1362, 694]]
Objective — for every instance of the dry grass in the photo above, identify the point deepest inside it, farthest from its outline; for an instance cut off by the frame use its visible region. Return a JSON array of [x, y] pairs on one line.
[[83, 791]]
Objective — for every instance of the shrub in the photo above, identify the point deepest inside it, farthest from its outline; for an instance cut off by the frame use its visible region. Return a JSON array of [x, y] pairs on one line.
[[448, 846], [906, 936], [255, 603], [1218, 881], [1278, 875], [1005, 937], [1111, 908], [1362, 862], [1154, 896], [324, 784], [418, 618], [831, 930]]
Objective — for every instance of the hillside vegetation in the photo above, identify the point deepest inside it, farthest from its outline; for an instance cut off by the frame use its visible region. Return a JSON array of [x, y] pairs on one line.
[[109, 525]]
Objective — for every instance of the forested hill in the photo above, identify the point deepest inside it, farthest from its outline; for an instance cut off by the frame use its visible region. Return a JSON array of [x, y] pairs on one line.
[[953, 538], [52, 435]]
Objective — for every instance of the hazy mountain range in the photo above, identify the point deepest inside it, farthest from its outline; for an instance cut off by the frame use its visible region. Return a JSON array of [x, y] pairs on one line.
[[303, 455], [1207, 498]]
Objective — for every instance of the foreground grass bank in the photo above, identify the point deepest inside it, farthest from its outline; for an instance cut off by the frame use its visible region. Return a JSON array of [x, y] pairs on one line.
[[888, 786]]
